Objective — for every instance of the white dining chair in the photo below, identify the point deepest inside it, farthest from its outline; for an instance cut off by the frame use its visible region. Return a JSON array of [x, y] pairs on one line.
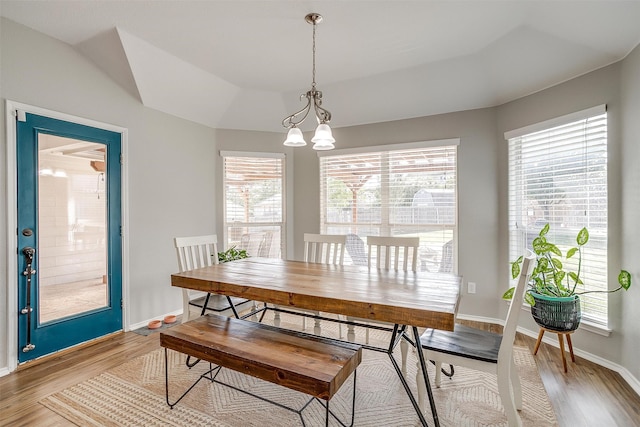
[[393, 253], [482, 350], [389, 253], [320, 249], [198, 252]]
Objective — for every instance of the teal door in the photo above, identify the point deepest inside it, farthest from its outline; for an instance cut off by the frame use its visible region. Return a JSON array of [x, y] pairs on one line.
[[69, 234]]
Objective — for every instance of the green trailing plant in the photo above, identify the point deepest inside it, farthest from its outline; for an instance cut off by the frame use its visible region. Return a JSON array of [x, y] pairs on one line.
[[232, 254], [550, 276]]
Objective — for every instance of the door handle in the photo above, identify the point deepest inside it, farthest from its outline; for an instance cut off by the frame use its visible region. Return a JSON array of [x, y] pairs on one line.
[[28, 253]]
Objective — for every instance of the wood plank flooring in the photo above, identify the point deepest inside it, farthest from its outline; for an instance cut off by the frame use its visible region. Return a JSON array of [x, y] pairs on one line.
[[588, 395]]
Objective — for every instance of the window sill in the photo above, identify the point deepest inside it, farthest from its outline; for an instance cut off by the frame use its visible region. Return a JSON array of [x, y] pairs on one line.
[[596, 328]]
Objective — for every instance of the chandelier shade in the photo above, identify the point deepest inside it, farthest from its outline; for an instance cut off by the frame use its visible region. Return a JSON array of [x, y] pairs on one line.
[[295, 138], [323, 138]]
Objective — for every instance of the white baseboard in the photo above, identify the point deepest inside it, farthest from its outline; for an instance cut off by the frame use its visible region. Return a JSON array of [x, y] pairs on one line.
[[630, 379], [633, 382], [138, 325], [4, 371]]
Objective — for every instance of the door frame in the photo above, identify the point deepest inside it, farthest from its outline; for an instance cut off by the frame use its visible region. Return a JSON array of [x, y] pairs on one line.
[[11, 108]]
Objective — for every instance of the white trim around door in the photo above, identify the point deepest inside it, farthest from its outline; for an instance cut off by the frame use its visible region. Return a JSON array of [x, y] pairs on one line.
[[11, 324]]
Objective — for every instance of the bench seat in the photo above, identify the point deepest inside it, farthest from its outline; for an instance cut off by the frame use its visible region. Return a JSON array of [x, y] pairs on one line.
[[314, 365]]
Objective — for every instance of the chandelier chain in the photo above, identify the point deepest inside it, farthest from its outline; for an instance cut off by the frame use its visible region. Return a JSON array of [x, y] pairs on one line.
[[313, 76]]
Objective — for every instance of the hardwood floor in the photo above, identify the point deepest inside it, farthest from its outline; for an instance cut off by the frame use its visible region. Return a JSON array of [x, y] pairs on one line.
[[588, 395]]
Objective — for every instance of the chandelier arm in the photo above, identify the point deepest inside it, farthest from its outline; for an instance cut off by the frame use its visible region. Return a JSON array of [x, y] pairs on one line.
[[322, 114], [290, 121]]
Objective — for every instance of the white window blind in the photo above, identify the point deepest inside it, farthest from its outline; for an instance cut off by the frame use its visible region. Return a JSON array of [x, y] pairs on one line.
[[254, 214], [403, 192], [558, 176]]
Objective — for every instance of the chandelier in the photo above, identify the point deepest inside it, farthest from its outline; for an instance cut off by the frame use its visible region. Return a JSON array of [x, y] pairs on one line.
[[323, 139]]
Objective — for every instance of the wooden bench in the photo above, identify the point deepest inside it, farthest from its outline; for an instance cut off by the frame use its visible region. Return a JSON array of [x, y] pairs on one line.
[[313, 365]]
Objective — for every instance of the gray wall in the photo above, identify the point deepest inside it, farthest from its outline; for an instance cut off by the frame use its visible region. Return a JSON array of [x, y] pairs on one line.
[[171, 162], [477, 183], [175, 175], [630, 238], [599, 87]]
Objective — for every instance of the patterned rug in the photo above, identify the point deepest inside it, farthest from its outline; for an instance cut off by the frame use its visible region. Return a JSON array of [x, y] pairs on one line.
[[133, 394]]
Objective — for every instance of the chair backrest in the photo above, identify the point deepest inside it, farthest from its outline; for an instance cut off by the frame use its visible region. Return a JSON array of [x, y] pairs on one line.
[[270, 245], [324, 248], [446, 262], [251, 243], [356, 250], [398, 253], [510, 325], [196, 251]]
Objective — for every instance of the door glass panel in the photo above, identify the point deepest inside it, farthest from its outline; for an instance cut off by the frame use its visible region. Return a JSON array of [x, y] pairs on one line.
[[72, 258]]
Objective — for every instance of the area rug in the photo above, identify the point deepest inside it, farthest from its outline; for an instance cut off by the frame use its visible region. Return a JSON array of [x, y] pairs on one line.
[[133, 394]]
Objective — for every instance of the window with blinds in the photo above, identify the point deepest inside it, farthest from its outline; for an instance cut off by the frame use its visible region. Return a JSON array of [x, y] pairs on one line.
[[407, 191], [558, 175], [254, 214]]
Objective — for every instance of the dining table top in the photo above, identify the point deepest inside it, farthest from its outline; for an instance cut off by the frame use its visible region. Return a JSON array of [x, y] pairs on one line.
[[420, 299]]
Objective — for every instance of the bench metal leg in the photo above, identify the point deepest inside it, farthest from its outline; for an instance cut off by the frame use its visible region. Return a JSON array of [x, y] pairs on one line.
[[297, 411], [212, 374], [329, 412], [326, 417], [166, 380]]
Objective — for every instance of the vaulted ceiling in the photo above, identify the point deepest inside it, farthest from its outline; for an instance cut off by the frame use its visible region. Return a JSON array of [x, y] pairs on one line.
[[243, 64]]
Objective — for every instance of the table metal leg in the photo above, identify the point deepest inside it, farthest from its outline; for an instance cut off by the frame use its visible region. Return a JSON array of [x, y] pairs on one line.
[[233, 307], [423, 366], [413, 400], [204, 306]]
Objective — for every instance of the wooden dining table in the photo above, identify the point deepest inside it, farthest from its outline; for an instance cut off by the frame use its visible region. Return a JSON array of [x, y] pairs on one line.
[[409, 300]]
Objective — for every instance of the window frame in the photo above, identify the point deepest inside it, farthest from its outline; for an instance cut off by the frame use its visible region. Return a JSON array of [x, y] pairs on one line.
[[282, 224], [385, 226], [597, 320]]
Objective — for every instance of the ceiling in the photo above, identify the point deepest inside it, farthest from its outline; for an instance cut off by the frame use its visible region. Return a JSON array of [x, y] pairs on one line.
[[243, 64]]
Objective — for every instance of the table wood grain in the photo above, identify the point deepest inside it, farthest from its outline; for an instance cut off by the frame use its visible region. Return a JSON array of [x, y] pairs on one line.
[[420, 299]]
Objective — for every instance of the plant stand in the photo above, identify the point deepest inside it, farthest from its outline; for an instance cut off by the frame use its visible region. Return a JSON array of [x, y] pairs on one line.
[[561, 341]]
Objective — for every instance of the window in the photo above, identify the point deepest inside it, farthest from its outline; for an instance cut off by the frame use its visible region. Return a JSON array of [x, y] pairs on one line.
[[397, 190], [254, 214], [558, 175]]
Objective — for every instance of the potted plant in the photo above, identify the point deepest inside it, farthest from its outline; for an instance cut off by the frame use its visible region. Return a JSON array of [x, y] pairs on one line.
[[554, 291], [232, 254]]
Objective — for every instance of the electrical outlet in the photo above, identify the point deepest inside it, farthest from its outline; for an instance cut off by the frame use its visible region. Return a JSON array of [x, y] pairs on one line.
[[471, 287]]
